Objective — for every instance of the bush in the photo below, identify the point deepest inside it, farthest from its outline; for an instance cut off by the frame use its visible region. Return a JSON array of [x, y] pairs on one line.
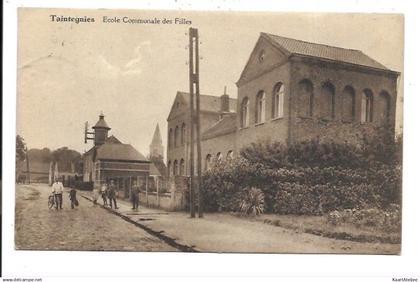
[[304, 154], [302, 189], [378, 147], [252, 202], [388, 220]]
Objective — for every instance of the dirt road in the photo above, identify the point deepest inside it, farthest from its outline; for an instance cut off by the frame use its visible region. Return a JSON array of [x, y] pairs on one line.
[[86, 227]]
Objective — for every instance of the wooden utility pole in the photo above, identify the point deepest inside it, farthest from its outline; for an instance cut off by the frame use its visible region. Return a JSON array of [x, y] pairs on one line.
[[197, 96], [195, 122], [192, 120]]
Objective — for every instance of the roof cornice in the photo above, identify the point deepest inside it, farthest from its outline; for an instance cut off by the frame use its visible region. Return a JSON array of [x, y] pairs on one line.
[[346, 64]]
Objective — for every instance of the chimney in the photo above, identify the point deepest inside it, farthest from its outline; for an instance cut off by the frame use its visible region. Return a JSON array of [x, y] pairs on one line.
[[224, 99]]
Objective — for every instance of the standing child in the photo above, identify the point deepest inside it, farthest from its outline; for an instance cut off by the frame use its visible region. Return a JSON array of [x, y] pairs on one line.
[[135, 190], [104, 191], [95, 195], [73, 200], [112, 194]]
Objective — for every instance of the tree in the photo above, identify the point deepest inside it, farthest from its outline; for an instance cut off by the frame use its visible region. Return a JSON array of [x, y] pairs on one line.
[[66, 158], [20, 153], [381, 147], [20, 148]]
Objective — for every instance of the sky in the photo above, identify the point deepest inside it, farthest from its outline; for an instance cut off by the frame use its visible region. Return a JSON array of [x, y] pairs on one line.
[[69, 73]]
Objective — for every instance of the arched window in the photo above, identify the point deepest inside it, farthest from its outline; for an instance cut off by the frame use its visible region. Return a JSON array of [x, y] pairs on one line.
[[278, 100], [207, 164], [182, 167], [176, 138], [348, 104], [384, 107], [328, 101], [175, 168], [229, 155], [260, 108], [183, 134], [219, 157], [245, 113], [306, 98], [367, 106], [170, 138], [169, 169]]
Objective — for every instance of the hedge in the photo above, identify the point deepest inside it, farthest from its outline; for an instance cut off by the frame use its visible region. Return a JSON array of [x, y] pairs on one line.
[[307, 178]]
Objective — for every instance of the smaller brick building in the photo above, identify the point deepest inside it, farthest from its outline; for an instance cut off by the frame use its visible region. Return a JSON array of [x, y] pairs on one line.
[[110, 159]]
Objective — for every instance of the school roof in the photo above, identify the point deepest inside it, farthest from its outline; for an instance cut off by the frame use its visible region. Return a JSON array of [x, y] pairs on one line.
[[119, 152], [224, 126], [209, 103], [154, 171], [300, 47], [112, 139]]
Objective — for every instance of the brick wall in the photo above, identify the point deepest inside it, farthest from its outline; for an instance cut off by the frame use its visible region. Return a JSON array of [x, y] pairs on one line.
[[182, 151], [271, 129], [222, 144], [340, 127]]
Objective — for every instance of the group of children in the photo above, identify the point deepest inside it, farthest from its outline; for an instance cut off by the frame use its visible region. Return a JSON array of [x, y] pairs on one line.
[[109, 193], [57, 190]]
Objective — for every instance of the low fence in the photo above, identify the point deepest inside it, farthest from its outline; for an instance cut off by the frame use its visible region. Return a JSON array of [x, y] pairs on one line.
[[169, 195], [76, 182], [173, 198]]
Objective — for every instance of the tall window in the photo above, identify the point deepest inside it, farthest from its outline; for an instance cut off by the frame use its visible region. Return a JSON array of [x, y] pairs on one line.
[[176, 141], [367, 106], [306, 98], [278, 100], [183, 133], [169, 169], [328, 101], [207, 164], [170, 138], [182, 167], [219, 157], [245, 113], [175, 168], [384, 106], [260, 109], [348, 104]]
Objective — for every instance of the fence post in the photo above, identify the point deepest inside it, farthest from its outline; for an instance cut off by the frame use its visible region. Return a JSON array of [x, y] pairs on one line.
[[157, 191], [147, 190]]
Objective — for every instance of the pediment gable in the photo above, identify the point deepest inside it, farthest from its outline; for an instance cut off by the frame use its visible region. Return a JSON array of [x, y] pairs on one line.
[[179, 105], [264, 57]]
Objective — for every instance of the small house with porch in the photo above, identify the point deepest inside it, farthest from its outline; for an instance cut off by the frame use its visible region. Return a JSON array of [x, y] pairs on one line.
[[110, 159]]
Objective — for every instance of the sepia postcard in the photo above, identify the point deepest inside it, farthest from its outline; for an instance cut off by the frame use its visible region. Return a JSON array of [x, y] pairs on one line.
[[215, 132]]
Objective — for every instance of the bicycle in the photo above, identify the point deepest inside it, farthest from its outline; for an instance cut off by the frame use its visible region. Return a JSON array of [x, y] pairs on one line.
[[51, 201]]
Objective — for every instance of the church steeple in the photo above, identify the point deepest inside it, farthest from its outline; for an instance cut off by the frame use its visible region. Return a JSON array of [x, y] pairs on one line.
[[156, 147]]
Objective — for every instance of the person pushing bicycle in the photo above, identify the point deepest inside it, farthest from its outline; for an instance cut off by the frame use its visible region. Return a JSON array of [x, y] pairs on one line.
[[57, 189]]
